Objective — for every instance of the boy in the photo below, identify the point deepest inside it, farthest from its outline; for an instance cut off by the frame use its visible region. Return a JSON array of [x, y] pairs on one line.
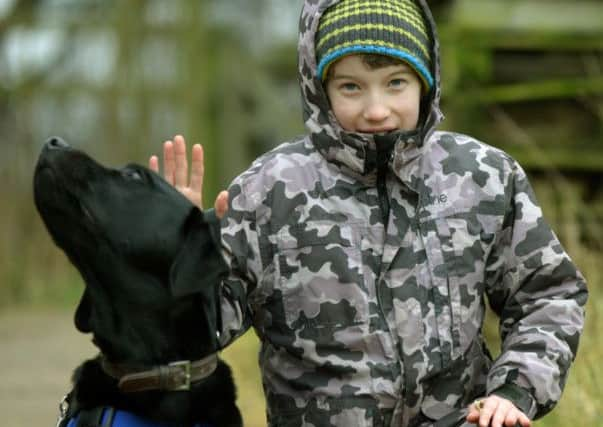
[[361, 253]]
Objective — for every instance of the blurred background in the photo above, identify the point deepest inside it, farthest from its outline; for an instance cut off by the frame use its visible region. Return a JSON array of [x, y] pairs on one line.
[[118, 78]]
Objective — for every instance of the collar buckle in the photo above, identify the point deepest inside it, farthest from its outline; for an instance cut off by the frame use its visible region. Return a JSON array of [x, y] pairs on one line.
[[184, 368]]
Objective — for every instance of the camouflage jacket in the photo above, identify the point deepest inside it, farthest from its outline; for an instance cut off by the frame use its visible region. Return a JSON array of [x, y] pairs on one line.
[[364, 271]]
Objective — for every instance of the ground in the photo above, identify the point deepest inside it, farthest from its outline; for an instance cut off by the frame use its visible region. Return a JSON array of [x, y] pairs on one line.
[[39, 348]]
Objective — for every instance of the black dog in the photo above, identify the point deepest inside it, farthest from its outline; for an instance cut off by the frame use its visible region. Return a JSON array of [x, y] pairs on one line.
[[151, 265]]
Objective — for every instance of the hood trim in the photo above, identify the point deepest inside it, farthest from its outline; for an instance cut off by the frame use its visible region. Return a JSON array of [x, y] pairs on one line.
[[347, 149]]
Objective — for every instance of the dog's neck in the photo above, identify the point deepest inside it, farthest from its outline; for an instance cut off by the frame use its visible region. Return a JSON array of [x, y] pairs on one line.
[[174, 376]]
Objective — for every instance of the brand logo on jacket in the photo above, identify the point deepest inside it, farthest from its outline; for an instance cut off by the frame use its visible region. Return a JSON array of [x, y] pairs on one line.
[[439, 200]]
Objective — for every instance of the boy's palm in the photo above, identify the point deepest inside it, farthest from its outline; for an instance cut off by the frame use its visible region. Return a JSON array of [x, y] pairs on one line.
[[175, 171]]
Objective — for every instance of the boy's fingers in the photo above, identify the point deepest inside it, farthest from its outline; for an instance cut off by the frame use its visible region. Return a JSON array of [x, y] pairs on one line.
[[496, 412], [221, 204], [474, 410], [197, 170], [473, 415], [511, 419], [524, 420], [181, 171], [486, 414], [169, 163], [504, 412]]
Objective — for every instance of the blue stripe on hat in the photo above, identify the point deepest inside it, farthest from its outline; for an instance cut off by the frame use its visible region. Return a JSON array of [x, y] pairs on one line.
[[417, 65]]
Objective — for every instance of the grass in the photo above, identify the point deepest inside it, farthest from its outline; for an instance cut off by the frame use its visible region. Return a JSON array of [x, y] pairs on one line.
[[582, 397], [243, 359]]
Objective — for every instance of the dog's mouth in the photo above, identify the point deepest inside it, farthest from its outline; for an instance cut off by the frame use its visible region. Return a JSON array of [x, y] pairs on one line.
[[66, 217], [52, 195], [45, 182]]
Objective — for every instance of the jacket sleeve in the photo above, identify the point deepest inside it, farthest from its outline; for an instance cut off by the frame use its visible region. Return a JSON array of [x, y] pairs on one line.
[[539, 296], [240, 248]]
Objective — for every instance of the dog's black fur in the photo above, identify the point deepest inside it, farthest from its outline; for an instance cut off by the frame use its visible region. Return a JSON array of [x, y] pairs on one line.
[[151, 271]]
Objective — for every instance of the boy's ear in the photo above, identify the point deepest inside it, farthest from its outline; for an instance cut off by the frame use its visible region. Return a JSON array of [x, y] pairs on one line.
[[199, 266]]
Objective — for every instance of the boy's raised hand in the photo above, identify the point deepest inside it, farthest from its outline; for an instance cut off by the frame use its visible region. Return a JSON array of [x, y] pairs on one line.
[[175, 171]]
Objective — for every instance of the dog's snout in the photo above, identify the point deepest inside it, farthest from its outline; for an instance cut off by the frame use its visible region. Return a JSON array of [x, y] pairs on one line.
[[56, 143]]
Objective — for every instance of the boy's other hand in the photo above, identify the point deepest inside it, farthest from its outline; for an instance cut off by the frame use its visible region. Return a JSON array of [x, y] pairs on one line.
[[175, 171], [495, 411]]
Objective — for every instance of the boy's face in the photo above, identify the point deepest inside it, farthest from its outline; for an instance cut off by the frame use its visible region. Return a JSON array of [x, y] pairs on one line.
[[378, 100]]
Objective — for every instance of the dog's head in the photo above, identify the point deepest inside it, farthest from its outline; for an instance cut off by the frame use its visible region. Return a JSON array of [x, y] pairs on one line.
[[150, 259]]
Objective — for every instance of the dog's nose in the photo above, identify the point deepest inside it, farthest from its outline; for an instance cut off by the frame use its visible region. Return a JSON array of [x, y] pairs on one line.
[[56, 143]]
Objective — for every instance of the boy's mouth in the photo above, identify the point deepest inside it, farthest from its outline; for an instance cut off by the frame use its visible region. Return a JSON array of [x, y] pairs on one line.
[[377, 130]]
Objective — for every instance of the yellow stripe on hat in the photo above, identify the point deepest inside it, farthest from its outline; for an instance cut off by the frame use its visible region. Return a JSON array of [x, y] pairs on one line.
[[399, 5], [411, 20], [407, 8], [382, 27]]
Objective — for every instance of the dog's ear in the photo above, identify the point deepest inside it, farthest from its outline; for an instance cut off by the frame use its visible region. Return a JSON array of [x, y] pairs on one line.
[[199, 266]]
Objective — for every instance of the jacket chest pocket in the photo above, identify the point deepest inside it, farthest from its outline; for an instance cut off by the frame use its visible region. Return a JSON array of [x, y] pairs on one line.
[[465, 251], [459, 246], [319, 274]]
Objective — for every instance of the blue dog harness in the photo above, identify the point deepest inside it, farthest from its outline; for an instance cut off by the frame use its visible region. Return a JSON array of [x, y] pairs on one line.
[[110, 417]]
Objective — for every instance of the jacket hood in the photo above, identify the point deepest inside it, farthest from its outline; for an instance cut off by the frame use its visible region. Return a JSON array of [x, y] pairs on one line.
[[353, 151]]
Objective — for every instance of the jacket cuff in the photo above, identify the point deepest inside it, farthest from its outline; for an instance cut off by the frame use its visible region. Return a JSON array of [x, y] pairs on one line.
[[520, 397]]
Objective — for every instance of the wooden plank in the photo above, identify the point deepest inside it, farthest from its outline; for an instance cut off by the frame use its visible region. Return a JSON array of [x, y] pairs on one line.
[[531, 20], [538, 90], [558, 158], [507, 39]]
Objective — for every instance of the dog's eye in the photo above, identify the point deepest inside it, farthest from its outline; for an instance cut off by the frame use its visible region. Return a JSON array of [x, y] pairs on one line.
[[132, 174]]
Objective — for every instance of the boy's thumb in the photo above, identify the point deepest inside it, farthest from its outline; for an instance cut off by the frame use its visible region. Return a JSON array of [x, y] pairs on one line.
[[221, 204]]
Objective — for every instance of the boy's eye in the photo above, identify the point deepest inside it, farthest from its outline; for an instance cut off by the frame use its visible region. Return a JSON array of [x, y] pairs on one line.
[[349, 87], [397, 82]]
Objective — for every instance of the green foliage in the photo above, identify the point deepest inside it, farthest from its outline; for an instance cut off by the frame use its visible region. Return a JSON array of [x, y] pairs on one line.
[[526, 76]]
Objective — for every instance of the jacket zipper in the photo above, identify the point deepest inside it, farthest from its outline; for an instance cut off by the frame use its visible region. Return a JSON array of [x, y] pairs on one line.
[[384, 205], [384, 153], [382, 194], [382, 161]]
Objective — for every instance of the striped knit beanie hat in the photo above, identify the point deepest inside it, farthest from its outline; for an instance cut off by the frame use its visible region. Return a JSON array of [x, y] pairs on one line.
[[394, 28]]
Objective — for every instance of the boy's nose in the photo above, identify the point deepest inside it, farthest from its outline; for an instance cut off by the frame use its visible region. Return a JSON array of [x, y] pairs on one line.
[[376, 111]]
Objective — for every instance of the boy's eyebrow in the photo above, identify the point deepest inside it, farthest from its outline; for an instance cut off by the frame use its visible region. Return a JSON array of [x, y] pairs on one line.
[[402, 70], [343, 77]]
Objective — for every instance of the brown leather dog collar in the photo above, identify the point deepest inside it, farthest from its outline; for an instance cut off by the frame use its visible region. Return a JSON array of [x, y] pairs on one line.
[[174, 376]]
